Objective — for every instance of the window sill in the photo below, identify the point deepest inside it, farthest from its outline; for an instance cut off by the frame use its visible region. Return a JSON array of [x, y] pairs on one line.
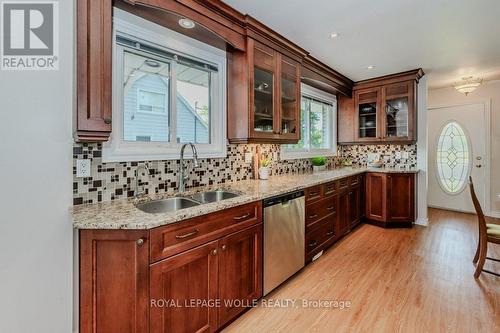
[[138, 152]]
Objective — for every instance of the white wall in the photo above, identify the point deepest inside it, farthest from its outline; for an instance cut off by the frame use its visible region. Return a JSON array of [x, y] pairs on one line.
[[489, 91], [35, 193], [422, 145]]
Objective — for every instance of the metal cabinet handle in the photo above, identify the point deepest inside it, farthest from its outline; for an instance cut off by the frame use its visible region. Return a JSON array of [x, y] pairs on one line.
[[313, 216], [223, 247], [107, 120], [330, 208], [214, 252], [189, 234], [238, 218], [329, 233], [313, 193], [313, 243], [478, 165], [140, 241]]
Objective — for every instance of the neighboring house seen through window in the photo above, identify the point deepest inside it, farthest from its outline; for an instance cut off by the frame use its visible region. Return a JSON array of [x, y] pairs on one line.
[[168, 89]]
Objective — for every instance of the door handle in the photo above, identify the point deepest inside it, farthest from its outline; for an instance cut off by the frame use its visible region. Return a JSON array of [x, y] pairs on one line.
[[189, 234], [478, 165], [239, 218]]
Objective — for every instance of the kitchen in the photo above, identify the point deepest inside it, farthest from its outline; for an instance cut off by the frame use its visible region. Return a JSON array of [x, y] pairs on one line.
[[224, 178]]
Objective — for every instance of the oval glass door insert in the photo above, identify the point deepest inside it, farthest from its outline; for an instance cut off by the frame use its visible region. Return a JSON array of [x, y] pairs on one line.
[[453, 158]]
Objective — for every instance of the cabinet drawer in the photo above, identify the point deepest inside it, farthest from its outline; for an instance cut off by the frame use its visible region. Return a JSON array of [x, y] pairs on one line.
[[172, 239], [343, 184], [318, 236], [355, 180], [313, 193], [319, 210], [330, 189]]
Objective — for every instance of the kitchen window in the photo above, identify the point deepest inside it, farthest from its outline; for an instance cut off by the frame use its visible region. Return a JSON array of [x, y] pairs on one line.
[[318, 114], [168, 89]]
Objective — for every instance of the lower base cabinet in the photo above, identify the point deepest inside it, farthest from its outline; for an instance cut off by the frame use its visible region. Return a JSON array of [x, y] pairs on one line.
[[204, 288], [123, 288], [390, 199], [114, 284]]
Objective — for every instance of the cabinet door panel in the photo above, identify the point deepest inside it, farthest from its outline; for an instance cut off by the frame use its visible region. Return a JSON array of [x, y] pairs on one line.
[[289, 98], [240, 276], [401, 197], [375, 196], [189, 276], [367, 117], [94, 45], [398, 111], [354, 215], [114, 295], [343, 214]]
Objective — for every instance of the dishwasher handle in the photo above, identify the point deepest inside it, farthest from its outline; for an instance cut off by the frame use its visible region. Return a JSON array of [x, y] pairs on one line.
[[283, 199]]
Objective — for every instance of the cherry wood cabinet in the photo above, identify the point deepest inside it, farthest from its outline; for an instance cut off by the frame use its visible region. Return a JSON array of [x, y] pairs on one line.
[[114, 281], [240, 272], [94, 51], [332, 210], [381, 110], [401, 197], [153, 281], [263, 95], [191, 276], [390, 199]]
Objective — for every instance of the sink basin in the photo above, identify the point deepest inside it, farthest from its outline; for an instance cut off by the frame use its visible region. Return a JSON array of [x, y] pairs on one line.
[[213, 196], [166, 205]]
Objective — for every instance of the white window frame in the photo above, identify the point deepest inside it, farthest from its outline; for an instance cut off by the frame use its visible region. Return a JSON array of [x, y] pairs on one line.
[[118, 150], [322, 96]]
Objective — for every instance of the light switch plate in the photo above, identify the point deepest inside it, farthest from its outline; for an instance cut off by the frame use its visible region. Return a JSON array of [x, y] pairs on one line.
[[83, 168], [398, 155], [406, 155]]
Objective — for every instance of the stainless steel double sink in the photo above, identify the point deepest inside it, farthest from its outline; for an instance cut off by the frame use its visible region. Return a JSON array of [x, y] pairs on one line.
[[176, 203]]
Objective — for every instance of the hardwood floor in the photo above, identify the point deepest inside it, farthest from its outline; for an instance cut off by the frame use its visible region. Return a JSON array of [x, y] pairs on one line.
[[397, 280]]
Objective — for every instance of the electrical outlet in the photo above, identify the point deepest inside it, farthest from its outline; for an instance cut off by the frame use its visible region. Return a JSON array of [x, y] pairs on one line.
[[406, 155], [398, 155], [83, 168], [248, 157]]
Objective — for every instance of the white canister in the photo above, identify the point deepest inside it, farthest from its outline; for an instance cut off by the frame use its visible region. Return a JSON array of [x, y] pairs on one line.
[[264, 173]]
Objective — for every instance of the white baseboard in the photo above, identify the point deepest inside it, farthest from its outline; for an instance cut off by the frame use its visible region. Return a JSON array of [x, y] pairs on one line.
[[423, 221]]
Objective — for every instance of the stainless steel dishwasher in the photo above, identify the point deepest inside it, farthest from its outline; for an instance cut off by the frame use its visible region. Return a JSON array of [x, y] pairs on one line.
[[284, 232]]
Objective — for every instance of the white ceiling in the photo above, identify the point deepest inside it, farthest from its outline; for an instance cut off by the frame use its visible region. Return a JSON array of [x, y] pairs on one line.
[[449, 39]]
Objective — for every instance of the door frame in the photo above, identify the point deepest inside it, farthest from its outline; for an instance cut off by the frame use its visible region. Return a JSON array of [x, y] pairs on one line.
[[487, 145]]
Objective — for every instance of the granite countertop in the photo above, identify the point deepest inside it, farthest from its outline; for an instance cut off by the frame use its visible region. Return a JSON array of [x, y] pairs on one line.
[[122, 214]]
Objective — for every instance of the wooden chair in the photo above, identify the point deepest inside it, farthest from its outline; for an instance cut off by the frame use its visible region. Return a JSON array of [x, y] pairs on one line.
[[487, 233]]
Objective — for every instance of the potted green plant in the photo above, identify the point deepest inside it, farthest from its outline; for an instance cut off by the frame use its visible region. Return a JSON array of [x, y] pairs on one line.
[[319, 163], [264, 168]]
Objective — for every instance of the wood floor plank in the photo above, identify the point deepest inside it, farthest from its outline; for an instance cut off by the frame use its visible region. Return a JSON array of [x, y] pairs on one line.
[[397, 280]]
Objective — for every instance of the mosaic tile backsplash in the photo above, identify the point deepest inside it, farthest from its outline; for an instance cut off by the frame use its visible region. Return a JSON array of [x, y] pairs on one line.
[[116, 180]]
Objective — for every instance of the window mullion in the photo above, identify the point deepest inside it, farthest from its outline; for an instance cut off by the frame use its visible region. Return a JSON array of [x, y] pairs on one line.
[[173, 103]]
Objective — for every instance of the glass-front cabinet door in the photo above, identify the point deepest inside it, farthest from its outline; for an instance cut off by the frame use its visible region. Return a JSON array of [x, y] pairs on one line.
[[263, 100], [368, 105], [264, 91], [397, 111], [289, 99]]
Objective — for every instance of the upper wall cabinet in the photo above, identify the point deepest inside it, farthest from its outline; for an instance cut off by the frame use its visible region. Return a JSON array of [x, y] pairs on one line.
[[381, 110], [94, 44], [263, 96], [264, 69]]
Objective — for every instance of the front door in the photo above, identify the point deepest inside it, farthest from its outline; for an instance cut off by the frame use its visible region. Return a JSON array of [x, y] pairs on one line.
[[457, 136]]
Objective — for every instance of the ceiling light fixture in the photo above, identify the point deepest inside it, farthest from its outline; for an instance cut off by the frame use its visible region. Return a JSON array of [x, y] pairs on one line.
[[334, 35], [468, 84], [371, 67], [186, 23]]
